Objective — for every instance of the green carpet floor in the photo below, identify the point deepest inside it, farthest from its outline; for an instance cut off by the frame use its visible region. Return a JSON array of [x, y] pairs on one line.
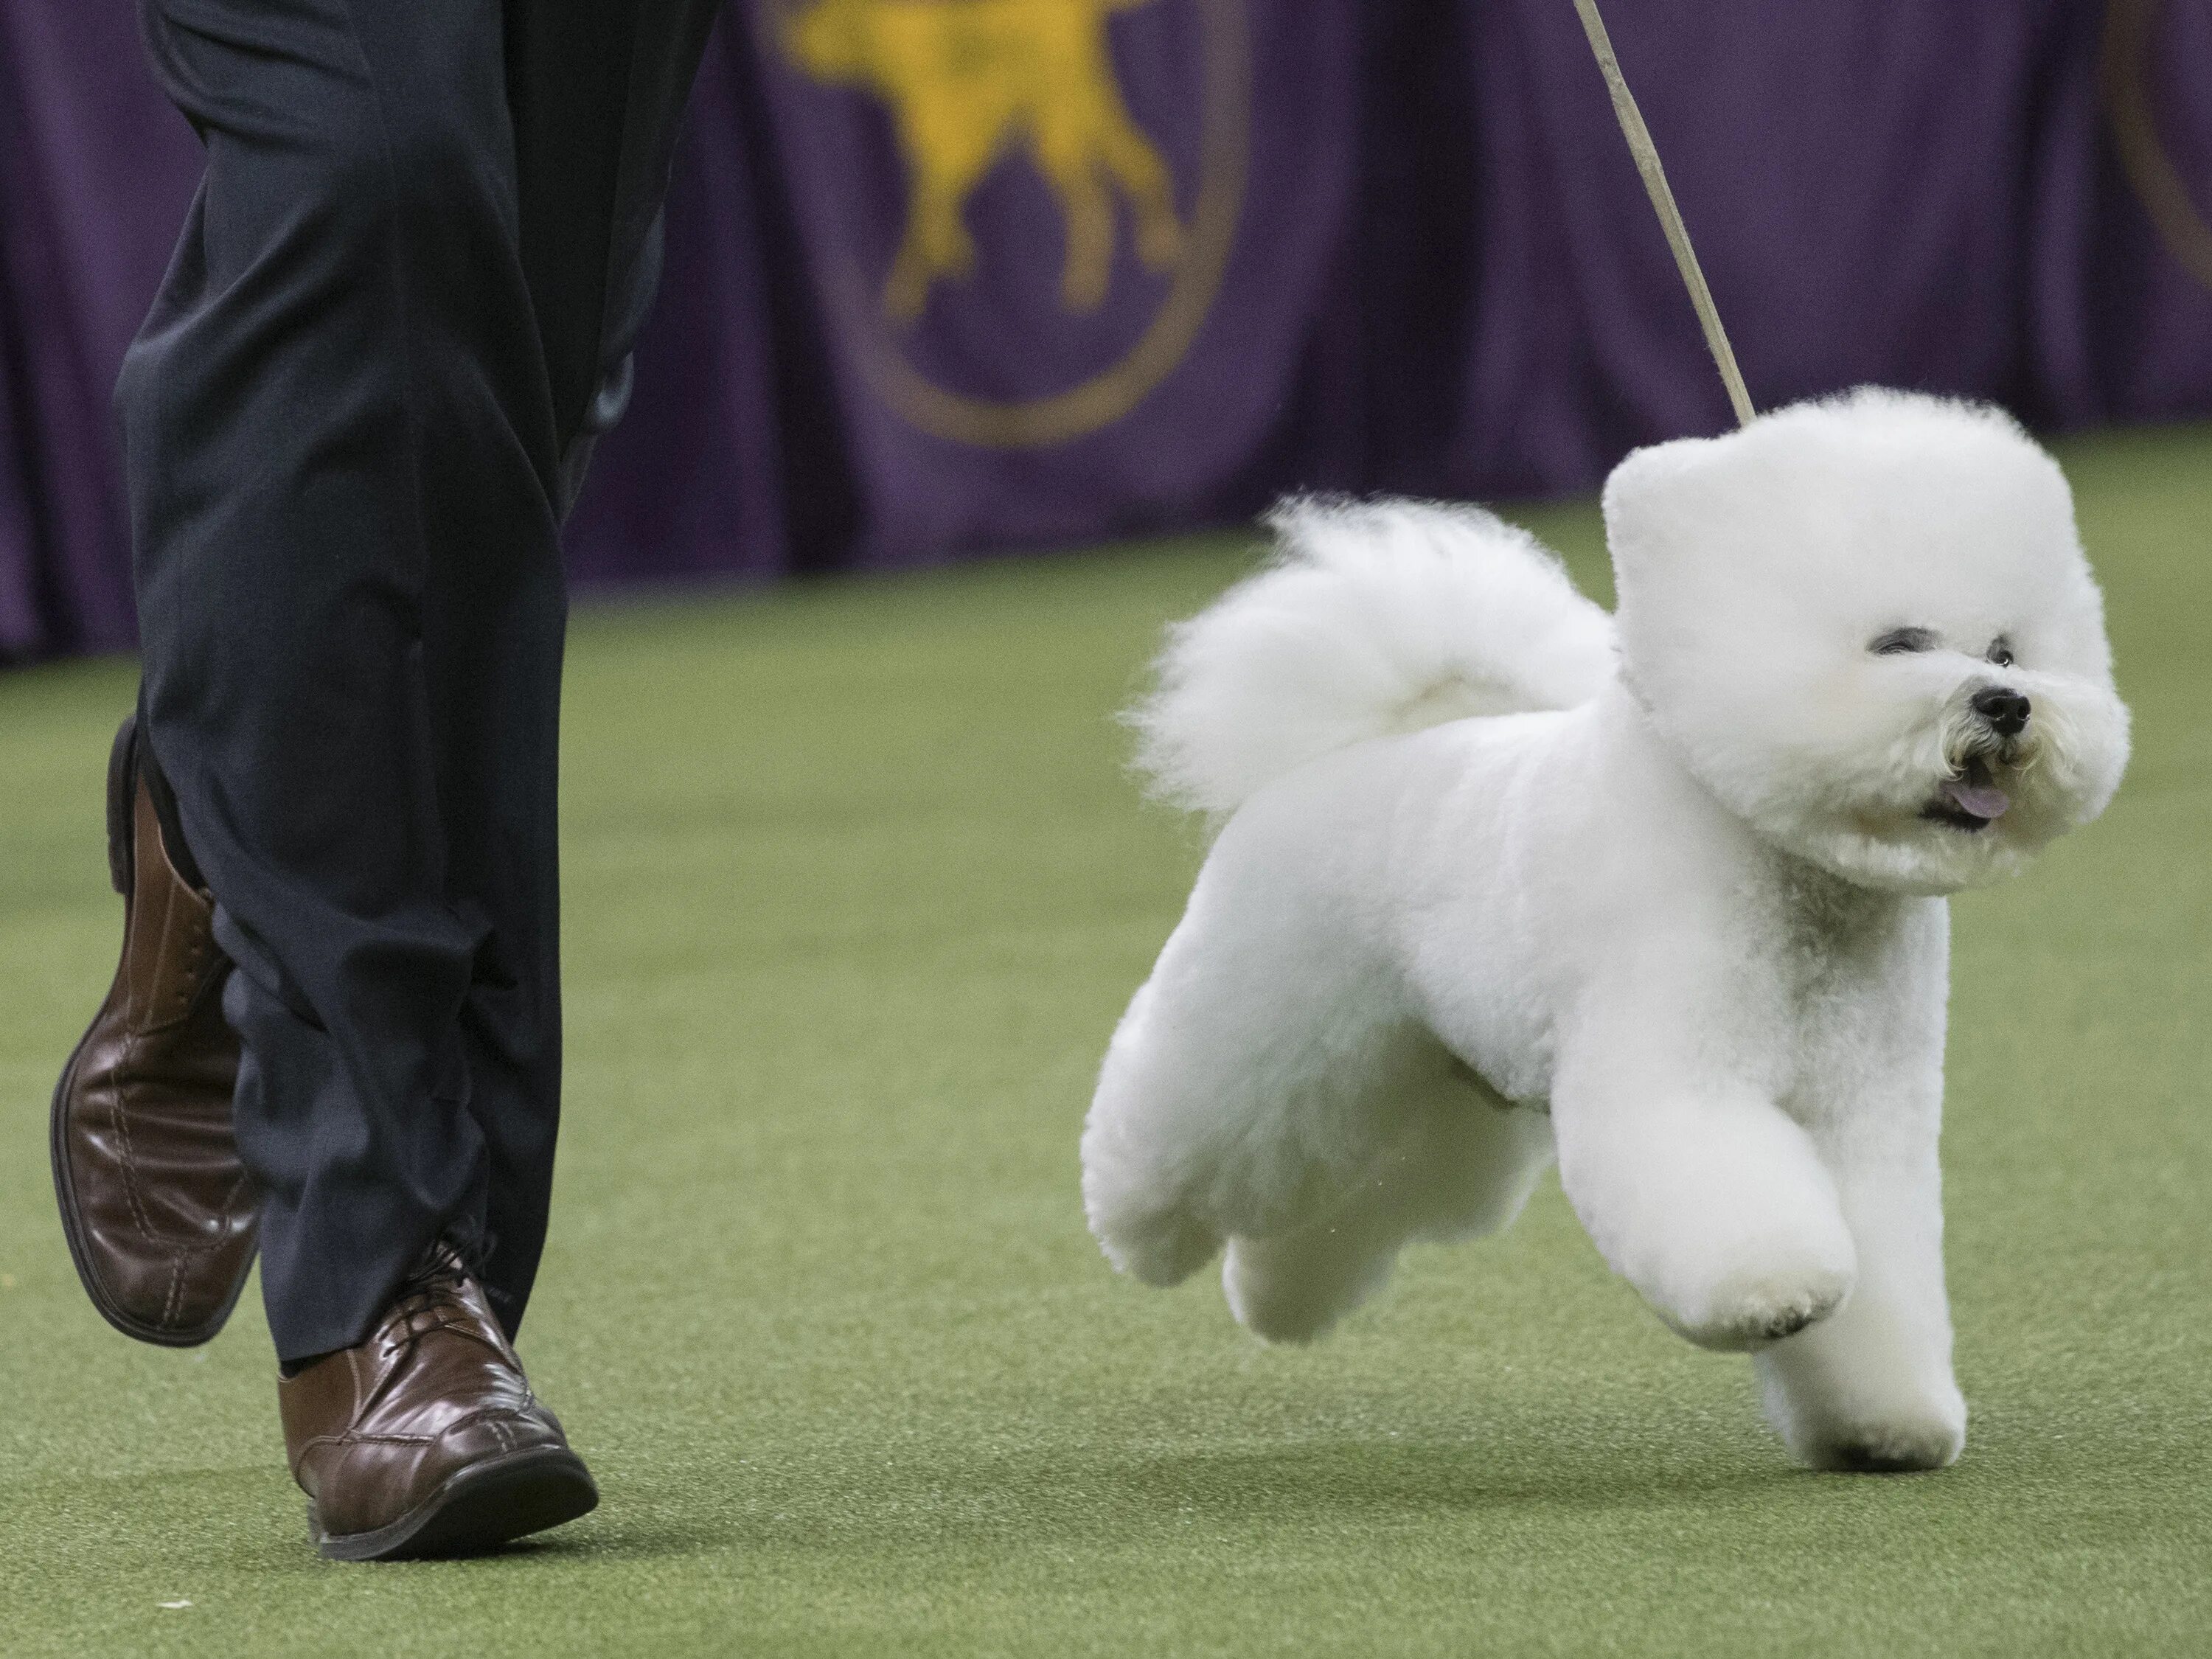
[[856, 889]]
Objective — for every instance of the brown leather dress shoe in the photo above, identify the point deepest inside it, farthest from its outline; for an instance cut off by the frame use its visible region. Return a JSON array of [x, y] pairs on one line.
[[426, 1439], [162, 1218]]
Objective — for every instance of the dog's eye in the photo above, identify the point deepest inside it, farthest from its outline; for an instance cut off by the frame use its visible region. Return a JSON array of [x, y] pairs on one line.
[[1900, 641], [2000, 652]]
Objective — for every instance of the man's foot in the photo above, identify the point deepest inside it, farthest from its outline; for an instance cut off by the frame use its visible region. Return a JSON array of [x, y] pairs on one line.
[[426, 1439], [162, 1218]]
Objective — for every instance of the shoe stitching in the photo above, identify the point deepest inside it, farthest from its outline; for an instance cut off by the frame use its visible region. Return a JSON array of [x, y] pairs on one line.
[[492, 1414], [126, 1064], [198, 944], [355, 1437], [133, 1185], [188, 988], [498, 1418], [117, 1094], [177, 1265], [197, 941]]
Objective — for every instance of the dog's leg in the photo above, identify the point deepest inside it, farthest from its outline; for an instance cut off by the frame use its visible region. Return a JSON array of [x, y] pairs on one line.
[[1295, 1287], [1146, 1156], [1871, 1388], [1249, 1081], [1217, 1115], [1464, 1165], [1694, 1185]]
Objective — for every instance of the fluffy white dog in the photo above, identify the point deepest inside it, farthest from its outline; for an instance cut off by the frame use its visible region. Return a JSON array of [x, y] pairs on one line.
[[1500, 878]]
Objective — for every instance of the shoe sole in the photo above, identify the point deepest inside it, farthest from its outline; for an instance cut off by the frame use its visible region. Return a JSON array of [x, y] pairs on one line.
[[121, 778], [479, 1509]]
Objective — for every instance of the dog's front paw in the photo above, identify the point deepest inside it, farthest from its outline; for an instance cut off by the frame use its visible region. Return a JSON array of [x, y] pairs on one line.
[[1750, 1309]]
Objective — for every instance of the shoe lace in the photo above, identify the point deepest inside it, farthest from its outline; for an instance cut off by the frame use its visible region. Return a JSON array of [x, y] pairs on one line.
[[441, 1269], [435, 1284], [432, 1298]]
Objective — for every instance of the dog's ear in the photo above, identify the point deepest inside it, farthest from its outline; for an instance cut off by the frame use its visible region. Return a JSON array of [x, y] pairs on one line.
[[1652, 495]]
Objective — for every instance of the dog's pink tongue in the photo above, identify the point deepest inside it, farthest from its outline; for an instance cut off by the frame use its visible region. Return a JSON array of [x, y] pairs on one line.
[[1982, 799]]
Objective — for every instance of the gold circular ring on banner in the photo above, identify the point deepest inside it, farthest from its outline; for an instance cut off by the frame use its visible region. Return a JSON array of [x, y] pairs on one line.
[[1193, 285], [2124, 78]]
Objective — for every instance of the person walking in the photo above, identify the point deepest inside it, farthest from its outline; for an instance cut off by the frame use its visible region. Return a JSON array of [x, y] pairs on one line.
[[400, 315]]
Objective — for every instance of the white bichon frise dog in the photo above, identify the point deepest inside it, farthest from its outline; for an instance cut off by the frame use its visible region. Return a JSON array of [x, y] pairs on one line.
[[1500, 878]]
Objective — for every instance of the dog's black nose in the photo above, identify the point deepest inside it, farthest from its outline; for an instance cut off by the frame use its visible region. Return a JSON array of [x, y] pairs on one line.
[[2006, 711]]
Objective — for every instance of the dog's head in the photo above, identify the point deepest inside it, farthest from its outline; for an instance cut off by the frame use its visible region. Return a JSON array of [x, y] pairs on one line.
[[1867, 626]]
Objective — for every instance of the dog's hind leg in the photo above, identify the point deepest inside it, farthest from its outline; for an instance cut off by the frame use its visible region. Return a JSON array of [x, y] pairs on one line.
[[1232, 1096], [1464, 1165], [1172, 1108]]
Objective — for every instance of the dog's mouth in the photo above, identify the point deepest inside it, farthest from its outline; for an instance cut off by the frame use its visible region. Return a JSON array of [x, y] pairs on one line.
[[1971, 801]]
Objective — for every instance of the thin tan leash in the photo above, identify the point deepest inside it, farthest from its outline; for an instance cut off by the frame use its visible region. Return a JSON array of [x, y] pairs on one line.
[[1670, 217]]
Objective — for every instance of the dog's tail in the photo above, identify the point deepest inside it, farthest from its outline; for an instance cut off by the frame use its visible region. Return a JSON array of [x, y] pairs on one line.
[[1373, 617]]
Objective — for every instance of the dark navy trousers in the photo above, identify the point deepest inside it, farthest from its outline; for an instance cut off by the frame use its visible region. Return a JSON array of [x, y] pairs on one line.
[[401, 308]]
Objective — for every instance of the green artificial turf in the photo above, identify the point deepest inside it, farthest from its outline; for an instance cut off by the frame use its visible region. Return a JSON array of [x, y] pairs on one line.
[[856, 889]]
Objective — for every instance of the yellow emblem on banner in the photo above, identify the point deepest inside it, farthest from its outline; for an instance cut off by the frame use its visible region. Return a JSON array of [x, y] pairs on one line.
[[967, 82]]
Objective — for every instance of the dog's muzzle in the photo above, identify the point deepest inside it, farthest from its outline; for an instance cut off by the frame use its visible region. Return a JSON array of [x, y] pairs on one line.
[[1973, 798]]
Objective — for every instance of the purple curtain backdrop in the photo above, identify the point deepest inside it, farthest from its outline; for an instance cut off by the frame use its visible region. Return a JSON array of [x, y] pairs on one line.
[[1378, 244]]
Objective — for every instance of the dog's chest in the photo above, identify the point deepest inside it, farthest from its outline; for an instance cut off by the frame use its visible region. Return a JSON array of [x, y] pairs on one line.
[[1836, 979]]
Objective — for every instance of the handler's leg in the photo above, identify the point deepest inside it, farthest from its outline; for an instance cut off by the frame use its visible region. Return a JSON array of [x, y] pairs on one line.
[[336, 418], [596, 92], [353, 421], [348, 457]]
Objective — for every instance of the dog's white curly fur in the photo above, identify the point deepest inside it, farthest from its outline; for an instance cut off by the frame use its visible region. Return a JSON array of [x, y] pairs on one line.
[[1673, 877]]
